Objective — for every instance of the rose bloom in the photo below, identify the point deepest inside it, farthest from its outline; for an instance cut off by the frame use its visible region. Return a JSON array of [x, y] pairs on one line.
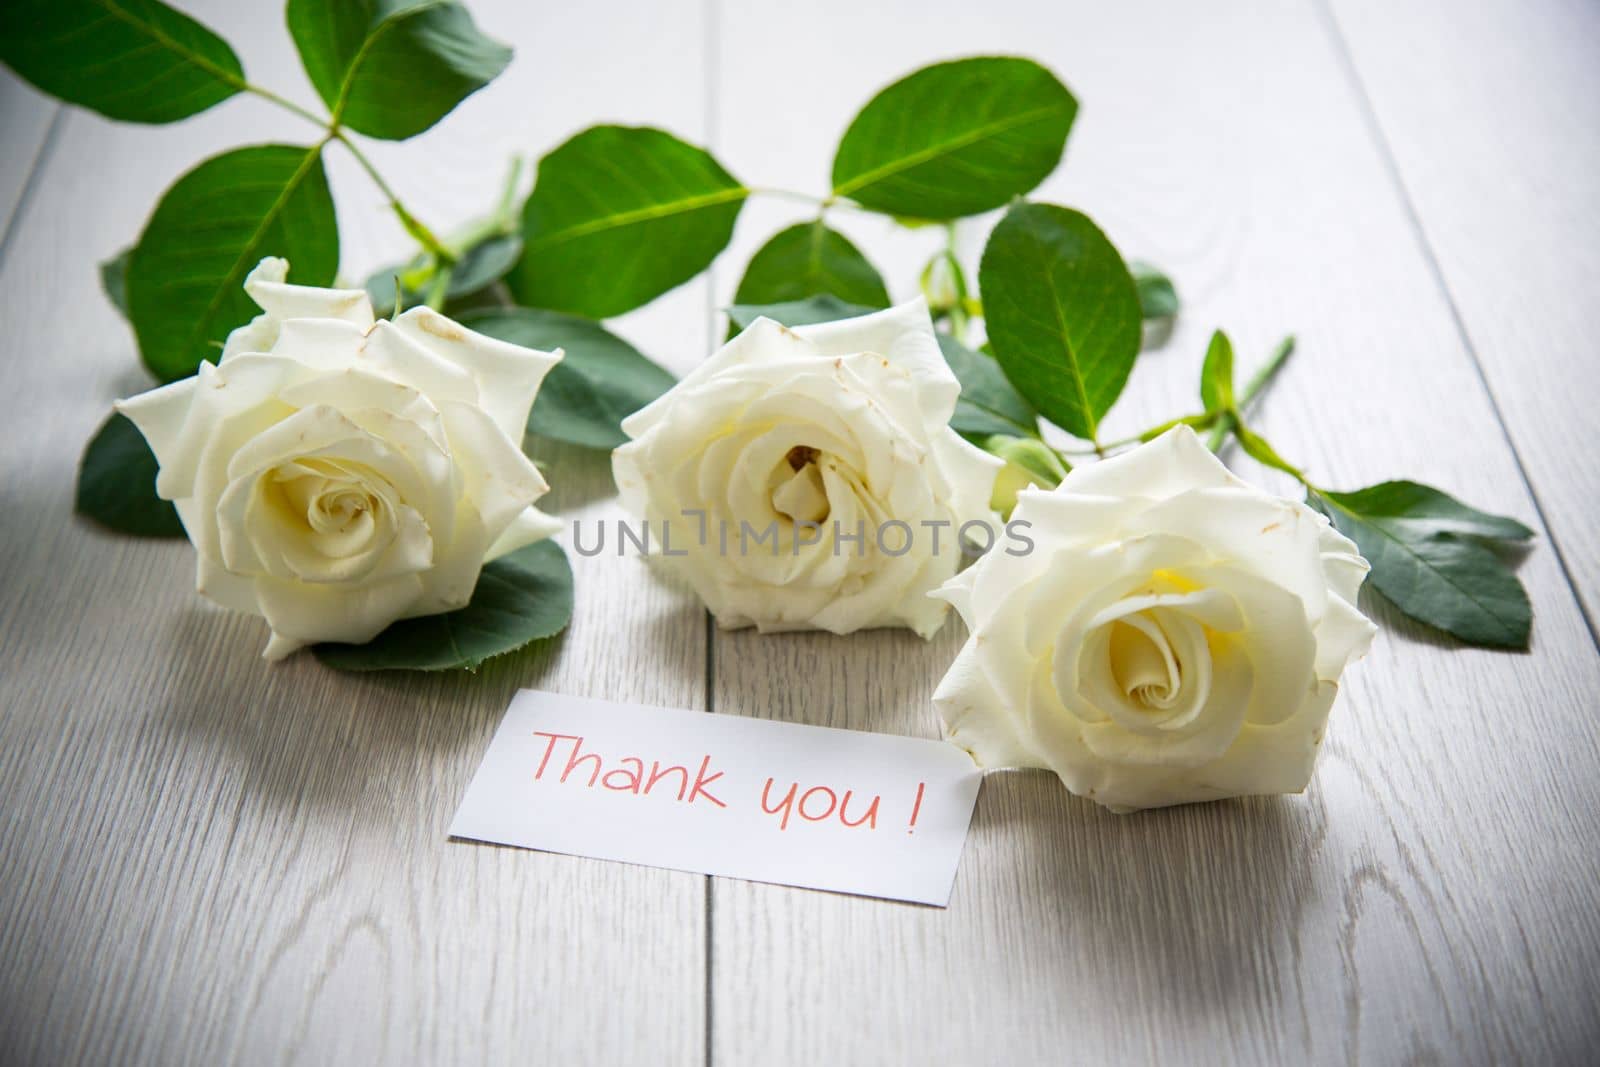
[[1177, 635], [840, 428], [337, 474]]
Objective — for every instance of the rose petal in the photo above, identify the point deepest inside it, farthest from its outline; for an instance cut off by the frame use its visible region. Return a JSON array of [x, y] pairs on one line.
[[160, 414], [1176, 462], [392, 353], [281, 302], [1344, 635], [497, 477], [528, 526], [267, 287], [903, 335], [977, 719], [1267, 536], [507, 375], [301, 613], [762, 341], [319, 346]]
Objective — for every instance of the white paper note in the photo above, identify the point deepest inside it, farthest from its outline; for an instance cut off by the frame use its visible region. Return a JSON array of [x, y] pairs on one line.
[[842, 810]]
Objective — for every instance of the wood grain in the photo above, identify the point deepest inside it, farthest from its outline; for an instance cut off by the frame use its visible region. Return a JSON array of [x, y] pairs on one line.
[[25, 116], [211, 860], [207, 860], [1494, 131], [1426, 900]]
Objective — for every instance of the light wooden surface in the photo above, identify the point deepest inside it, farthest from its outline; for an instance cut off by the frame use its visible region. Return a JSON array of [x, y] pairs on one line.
[[207, 860], [1492, 131]]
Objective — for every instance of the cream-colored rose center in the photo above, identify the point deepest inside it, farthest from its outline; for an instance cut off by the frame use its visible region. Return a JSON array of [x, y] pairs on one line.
[[1148, 662], [340, 513], [800, 494], [1143, 663]]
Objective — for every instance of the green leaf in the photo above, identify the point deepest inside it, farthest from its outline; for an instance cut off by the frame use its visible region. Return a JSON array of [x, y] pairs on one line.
[[1216, 375], [521, 597], [1415, 510], [186, 274], [484, 264], [813, 309], [478, 268], [393, 68], [1062, 313], [599, 382], [619, 215], [989, 404], [955, 139], [117, 483], [1158, 297], [808, 259], [114, 280], [1426, 558], [133, 60]]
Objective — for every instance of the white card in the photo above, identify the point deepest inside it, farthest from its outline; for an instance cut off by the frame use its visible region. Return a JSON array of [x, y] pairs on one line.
[[842, 810]]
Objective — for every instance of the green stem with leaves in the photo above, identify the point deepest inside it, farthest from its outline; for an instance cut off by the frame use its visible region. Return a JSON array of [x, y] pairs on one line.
[[287, 105], [1198, 421], [1227, 423], [413, 226], [955, 308], [822, 203]]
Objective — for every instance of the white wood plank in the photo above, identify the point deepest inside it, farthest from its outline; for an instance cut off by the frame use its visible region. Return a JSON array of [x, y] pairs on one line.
[[25, 116], [1494, 127], [211, 860], [1427, 900]]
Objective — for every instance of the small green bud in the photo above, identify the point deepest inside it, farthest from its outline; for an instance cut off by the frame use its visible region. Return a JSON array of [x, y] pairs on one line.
[[1029, 462]]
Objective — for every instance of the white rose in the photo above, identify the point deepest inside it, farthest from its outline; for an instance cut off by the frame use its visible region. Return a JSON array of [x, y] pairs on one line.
[[1176, 635], [835, 429], [336, 474]]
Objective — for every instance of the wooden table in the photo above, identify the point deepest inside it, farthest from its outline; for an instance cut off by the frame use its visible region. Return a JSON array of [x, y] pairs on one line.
[[205, 859]]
